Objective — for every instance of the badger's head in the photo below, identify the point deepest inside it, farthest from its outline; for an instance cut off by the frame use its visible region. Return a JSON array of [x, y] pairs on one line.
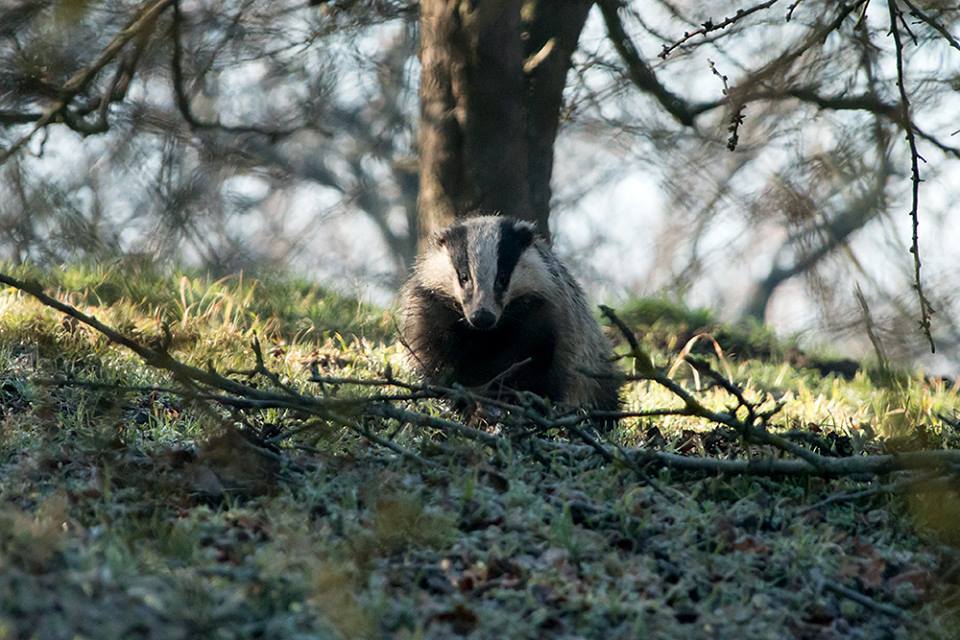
[[482, 264]]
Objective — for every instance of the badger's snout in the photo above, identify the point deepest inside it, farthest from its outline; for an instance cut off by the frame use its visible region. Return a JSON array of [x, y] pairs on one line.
[[482, 319]]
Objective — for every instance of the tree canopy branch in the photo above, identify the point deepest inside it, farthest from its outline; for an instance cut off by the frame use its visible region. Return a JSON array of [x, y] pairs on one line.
[[639, 71], [932, 23], [710, 25], [143, 20], [183, 100]]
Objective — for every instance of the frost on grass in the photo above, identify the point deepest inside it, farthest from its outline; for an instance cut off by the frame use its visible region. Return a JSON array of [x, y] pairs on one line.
[[146, 515]]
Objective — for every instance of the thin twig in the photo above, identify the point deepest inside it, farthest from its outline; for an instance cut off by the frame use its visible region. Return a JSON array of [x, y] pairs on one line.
[[860, 598], [933, 24], [710, 25], [925, 479], [790, 9]]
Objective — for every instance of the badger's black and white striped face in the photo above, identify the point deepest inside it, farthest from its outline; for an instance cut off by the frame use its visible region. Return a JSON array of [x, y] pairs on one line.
[[484, 263]]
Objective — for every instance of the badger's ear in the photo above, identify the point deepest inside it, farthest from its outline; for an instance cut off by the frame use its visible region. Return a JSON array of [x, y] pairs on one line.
[[441, 237], [451, 236], [525, 233]]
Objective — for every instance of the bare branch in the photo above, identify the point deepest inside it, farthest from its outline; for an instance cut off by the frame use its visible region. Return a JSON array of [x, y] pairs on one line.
[[867, 102], [183, 100], [710, 25], [860, 598], [833, 233], [639, 71], [144, 20], [19, 117], [926, 310], [790, 9], [933, 24]]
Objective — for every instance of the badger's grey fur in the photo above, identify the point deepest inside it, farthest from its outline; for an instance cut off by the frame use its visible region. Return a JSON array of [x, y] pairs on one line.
[[488, 294]]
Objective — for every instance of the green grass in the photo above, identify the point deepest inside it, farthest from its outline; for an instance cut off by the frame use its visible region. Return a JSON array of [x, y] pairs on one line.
[[138, 295], [668, 325], [144, 515]]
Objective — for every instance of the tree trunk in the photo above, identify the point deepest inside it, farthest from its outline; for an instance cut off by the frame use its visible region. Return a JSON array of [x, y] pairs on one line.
[[493, 74]]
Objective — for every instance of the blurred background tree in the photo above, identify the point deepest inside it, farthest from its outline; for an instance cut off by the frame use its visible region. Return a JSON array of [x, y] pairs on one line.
[[750, 157]]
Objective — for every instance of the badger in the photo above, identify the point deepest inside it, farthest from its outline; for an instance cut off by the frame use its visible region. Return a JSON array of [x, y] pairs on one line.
[[489, 306]]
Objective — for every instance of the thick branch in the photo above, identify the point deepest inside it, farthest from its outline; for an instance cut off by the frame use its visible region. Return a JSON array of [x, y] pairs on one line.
[[639, 71], [829, 468], [19, 117]]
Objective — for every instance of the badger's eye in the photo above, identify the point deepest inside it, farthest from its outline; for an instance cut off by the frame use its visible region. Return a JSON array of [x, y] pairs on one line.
[[503, 280], [464, 279]]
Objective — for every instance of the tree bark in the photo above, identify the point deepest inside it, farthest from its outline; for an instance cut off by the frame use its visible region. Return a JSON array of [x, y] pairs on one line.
[[493, 74], [553, 28]]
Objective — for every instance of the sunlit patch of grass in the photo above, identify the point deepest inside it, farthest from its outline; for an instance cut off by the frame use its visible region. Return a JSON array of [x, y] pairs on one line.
[[192, 304], [890, 410]]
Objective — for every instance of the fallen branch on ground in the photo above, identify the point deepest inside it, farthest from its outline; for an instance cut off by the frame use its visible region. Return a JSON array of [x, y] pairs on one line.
[[520, 421]]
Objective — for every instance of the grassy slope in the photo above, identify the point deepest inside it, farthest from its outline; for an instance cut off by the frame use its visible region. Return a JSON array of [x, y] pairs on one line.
[[143, 515]]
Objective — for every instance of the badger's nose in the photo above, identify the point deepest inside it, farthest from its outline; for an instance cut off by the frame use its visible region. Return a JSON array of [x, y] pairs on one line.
[[482, 319]]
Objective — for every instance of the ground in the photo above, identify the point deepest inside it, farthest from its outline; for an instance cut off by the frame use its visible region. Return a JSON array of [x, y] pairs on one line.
[[140, 514]]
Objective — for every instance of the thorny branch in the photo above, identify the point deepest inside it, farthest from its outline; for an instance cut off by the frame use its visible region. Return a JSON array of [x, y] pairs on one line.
[[516, 418], [926, 310], [710, 25]]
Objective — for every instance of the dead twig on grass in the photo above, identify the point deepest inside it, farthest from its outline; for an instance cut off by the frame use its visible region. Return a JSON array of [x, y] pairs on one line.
[[922, 481], [754, 428], [860, 598]]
